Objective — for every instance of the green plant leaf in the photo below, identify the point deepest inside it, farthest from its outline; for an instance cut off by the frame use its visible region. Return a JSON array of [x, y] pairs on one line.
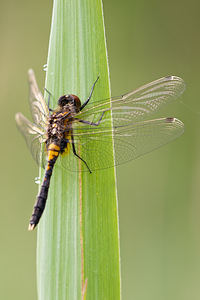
[[78, 238]]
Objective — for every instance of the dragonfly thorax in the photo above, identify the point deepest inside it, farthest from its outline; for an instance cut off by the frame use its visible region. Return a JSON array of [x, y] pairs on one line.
[[58, 125]]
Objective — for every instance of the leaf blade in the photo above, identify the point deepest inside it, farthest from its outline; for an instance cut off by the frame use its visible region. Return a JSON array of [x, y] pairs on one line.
[[77, 55]]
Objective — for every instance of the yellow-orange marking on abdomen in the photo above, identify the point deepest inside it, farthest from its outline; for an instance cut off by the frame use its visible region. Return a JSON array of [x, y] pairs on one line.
[[53, 151]]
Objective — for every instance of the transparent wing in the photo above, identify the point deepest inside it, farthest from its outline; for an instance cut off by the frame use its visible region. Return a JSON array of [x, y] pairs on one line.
[[34, 137], [130, 141], [34, 133], [39, 108], [135, 105]]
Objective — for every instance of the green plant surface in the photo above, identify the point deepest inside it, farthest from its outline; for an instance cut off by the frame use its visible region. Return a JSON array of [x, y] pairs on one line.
[[78, 238]]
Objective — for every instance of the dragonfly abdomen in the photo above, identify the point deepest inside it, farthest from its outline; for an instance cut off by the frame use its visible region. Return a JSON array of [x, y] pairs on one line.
[[53, 152]]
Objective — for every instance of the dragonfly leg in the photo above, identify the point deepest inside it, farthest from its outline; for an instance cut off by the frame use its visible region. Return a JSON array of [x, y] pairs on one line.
[[91, 123], [86, 102], [48, 99], [74, 151]]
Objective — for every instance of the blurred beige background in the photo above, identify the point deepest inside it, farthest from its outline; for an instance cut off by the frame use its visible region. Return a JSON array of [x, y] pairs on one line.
[[159, 194]]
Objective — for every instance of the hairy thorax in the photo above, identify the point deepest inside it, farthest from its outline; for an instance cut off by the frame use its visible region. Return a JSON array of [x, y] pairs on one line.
[[59, 126]]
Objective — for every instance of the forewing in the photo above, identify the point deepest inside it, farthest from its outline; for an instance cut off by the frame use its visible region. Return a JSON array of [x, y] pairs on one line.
[[137, 104], [34, 137], [39, 108], [130, 141]]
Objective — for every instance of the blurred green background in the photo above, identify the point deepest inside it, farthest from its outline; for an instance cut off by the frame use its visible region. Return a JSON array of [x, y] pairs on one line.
[[159, 203]]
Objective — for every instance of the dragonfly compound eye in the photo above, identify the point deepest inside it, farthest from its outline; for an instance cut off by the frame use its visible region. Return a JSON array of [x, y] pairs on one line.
[[65, 99]]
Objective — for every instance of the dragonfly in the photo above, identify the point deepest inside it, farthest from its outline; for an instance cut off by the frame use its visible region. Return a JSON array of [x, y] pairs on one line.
[[82, 137]]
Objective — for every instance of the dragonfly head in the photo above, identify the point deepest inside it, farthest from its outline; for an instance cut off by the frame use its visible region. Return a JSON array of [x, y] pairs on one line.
[[69, 100]]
